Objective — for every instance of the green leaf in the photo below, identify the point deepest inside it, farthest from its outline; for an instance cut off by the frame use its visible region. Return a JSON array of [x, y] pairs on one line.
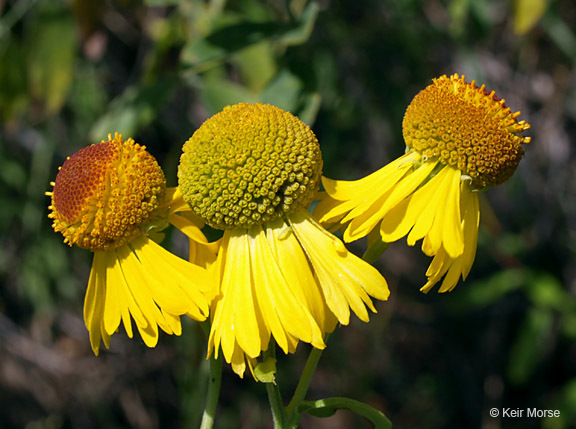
[[327, 407], [565, 402], [256, 65], [12, 173], [486, 291], [527, 13], [228, 40], [233, 37], [284, 91], [547, 292], [133, 110], [51, 54], [527, 350], [561, 34], [310, 108], [299, 34], [265, 372], [217, 93], [458, 10], [153, 3], [14, 99]]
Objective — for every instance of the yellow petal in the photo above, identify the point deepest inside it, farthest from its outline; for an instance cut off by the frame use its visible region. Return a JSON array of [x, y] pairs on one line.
[[265, 273], [173, 322], [397, 222], [398, 187], [438, 267], [282, 309], [425, 204], [446, 227], [361, 198], [330, 210], [185, 224], [298, 273], [174, 200], [407, 185], [175, 284], [202, 252], [471, 220], [452, 234], [141, 303], [238, 362], [451, 279], [238, 273], [443, 265], [235, 322], [345, 279], [95, 299], [115, 306]]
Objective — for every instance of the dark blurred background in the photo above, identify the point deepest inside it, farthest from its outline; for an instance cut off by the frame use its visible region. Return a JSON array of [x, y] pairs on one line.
[[73, 71]]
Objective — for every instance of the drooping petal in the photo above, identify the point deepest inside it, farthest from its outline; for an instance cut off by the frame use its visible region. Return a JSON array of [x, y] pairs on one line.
[[144, 282], [399, 188], [174, 200], [347, 200], [285, 312], [471, 221], [435, 208], [448, 268], [115, 307], [177, 286], [246, 325], [94, 302], [256, 301], [235, 322], [346, 280], [299, 274], [202, 252]]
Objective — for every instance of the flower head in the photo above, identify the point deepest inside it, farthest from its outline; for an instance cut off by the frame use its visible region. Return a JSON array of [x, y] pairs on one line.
[[466, 127], [104, 193], [460, 138], [252, 170], [248, 165], [105, 199]]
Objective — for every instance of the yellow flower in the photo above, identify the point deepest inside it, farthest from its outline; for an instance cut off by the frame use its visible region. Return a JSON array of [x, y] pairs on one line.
[[460, 139], [107, 197], [252, 170]]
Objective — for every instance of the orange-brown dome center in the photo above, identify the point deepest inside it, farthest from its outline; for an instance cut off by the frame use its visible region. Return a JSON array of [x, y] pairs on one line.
[[104, 193]]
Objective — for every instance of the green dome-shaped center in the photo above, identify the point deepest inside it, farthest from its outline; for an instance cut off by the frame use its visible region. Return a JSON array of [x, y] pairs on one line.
[[249, 164]]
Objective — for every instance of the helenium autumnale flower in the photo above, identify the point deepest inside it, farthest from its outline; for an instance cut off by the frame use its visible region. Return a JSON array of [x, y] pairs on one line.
[[107, 198], [460, 139], [252, 170]]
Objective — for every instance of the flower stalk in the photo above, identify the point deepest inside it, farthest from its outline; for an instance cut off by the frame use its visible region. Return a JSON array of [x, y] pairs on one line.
[[214, 382]]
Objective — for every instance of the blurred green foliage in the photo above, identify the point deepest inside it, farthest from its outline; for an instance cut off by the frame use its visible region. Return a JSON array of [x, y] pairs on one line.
[[73, 71]]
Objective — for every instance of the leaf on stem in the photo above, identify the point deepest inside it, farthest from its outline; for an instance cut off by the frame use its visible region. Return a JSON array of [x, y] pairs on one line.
[[265, 372]]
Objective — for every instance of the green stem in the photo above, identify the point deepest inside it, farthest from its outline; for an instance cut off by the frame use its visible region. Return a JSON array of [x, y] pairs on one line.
[[213, 393], [214, 382], [274, 396], [304, 383], [276, 405], [327, 407]]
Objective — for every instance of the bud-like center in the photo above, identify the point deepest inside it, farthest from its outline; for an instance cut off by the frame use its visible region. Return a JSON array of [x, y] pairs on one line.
[[249, 164]]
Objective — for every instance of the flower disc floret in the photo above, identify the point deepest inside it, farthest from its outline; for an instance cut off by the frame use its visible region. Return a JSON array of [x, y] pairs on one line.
[[105, 193], [466, 127], [249, 164]]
